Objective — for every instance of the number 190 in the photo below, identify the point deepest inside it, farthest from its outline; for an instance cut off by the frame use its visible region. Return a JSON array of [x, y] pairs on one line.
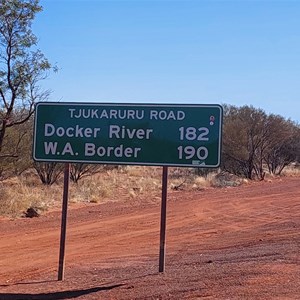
[[189, 152]]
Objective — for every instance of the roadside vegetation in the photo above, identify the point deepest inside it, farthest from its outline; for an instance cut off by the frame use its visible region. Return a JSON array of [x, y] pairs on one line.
[[256, 145], [24, 191]]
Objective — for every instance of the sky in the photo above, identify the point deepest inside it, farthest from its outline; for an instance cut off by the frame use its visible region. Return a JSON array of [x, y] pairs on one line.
[[171, 51]]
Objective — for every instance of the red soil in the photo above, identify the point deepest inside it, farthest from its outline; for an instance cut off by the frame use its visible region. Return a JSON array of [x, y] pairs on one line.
[[226, 243]]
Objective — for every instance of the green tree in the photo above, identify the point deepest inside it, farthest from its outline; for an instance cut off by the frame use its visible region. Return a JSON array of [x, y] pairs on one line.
[[22, 66], [244, 134], [283, 145], [254, 142]]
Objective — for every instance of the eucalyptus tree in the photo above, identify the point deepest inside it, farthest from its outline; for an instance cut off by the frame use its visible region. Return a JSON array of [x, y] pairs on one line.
[[244, 134], [283, 146], [22, 66], [254, 142]]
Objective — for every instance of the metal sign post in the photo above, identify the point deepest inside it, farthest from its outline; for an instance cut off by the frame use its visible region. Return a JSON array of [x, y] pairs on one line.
[[163, 217], [61, 265], [184, 135]]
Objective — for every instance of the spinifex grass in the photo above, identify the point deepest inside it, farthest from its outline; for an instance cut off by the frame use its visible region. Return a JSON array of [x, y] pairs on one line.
[[129, 183]]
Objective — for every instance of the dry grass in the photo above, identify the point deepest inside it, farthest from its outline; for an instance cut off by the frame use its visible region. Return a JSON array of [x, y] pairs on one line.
[[130, 183], [201, 182], [17, 196], [292, 170], [20, 193], [190, 180]]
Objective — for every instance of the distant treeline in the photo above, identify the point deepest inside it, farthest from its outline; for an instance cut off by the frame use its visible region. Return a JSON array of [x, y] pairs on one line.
[[253, 143]]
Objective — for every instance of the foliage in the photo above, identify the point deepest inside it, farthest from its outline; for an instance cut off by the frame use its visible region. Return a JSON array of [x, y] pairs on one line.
[[80, 170], [22, 66], [18, 139], [252, 140], [48, 172]]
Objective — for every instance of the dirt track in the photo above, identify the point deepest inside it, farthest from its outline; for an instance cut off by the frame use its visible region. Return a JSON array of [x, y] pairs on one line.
[[229, 243]]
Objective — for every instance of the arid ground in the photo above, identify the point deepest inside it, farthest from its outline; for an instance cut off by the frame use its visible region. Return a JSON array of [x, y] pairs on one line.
[[222, 243]]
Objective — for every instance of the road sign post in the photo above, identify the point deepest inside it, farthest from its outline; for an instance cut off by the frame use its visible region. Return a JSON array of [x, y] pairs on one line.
[[163, 220], [132, 134], [64, 213]]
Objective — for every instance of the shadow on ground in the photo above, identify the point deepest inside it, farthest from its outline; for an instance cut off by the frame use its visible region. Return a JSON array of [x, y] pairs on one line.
[[57, 295]]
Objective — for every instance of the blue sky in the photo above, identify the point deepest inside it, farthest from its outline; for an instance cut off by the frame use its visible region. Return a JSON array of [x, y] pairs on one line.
[[170, 51]]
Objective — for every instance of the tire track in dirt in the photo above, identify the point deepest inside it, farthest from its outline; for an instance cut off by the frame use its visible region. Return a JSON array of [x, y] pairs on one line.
[[241, 239]]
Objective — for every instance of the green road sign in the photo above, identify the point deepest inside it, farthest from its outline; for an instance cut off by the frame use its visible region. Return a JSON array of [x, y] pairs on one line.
[[134, 134]]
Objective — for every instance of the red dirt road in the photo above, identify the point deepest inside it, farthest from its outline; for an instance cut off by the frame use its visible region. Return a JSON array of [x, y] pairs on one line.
[[228, 243]]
